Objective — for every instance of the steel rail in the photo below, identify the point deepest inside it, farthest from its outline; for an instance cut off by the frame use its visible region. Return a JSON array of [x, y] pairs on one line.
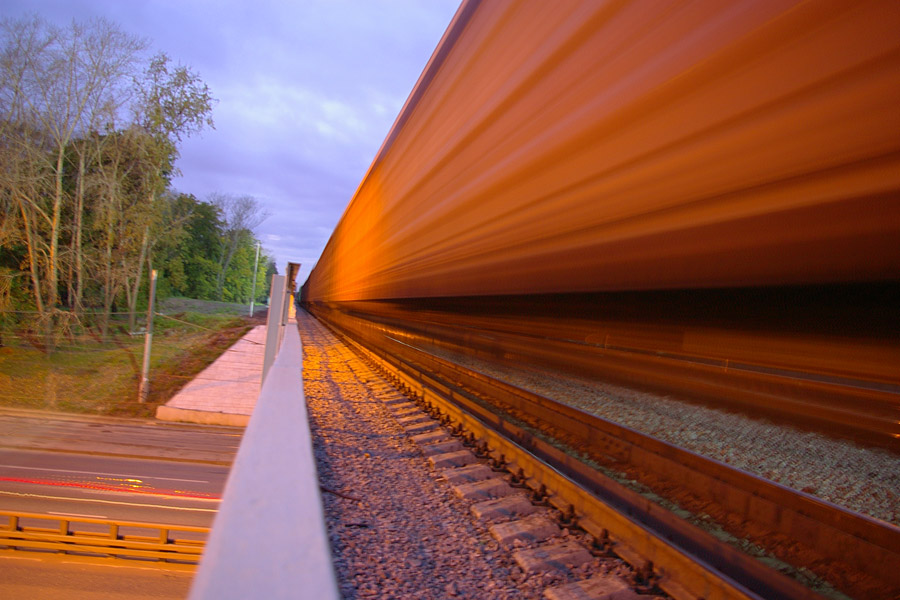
[[63, 537], [838, 535]]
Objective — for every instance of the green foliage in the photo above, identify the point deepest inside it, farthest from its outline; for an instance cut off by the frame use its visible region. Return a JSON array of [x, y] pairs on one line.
[[192, 265], [237, 282], [200, 250], [174, 101], [262, 291]]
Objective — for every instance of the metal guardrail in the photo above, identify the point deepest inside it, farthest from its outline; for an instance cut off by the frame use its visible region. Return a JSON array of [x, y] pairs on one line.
[[102, 537]]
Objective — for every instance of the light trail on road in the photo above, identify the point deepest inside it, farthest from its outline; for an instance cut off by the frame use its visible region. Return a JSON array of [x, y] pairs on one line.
[[125, 475], [130, 488], [100, 501]]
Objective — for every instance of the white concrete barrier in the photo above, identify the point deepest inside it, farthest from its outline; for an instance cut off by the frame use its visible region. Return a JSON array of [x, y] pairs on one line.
[[268, 538]]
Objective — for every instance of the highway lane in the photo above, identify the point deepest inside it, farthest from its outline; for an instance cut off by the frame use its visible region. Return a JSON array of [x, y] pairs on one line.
[[24, 577], [127, 489]]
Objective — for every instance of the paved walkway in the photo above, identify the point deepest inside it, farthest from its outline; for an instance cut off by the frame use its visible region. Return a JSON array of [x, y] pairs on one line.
[[225, 392]]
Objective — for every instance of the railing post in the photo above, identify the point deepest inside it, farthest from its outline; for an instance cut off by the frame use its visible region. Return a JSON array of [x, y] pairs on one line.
[[273, 323]]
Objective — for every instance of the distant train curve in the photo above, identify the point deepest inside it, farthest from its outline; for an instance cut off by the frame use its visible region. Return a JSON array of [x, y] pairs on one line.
[[557, 147]]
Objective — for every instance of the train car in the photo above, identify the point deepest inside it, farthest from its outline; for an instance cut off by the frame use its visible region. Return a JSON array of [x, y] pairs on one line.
[[699, 200], [559, 147]]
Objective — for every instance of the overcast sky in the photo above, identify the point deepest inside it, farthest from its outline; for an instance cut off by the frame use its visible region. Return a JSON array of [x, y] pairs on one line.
[[307, 90]]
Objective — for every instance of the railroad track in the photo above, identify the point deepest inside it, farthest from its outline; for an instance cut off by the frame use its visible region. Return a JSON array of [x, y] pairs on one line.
[[586, 467]]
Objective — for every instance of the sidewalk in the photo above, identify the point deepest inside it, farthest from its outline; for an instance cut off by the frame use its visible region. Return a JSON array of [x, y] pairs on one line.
[[225, 392]]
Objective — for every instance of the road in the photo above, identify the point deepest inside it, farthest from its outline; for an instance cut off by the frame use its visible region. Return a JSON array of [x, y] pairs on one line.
[[104, 487], [57, 578], [138, 470]]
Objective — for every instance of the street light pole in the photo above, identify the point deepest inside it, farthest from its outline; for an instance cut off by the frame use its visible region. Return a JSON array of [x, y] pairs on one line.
[[253, 291]]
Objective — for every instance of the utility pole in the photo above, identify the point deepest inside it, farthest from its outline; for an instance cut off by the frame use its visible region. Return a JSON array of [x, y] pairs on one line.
[[144, 387], [253, 291]]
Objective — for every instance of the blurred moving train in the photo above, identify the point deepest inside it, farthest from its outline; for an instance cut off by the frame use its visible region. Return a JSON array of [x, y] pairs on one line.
[[595, 146], [622, 163]]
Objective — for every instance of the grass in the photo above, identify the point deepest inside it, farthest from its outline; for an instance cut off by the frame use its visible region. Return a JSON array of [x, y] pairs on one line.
[[87, 375]]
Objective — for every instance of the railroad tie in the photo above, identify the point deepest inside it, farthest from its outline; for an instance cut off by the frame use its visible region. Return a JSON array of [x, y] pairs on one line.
[[556, 557], [533, 528], [468, 474], [503, 508], [605, 587], [432, 437], [460, 458], [442, 447], [484, 490], [421, 426], [413, 419]]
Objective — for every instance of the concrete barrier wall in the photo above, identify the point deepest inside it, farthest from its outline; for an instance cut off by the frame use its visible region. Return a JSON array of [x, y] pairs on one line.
[[269, 539]]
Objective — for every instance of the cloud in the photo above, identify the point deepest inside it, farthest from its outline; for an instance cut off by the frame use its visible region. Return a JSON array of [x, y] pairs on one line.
[[307, 91]]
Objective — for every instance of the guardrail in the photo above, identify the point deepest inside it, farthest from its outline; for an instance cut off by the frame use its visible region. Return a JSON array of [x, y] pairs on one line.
[[102, 538]]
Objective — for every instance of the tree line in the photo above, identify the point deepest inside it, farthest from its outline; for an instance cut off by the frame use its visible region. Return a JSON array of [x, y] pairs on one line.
[[90, 127]]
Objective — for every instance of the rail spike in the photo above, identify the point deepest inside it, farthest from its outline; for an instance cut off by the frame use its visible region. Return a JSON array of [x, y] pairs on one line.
[[540, 496], [498, 463], [518, 479], [568, 518], [601, 545]]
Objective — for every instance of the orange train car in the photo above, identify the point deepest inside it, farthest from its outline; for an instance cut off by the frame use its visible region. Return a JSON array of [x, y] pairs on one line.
[[558, 147]]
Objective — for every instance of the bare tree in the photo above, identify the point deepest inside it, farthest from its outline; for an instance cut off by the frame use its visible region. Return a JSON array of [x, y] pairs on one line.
[[240, 216], [25, 169], [111, 58], [55, 84], [121, 212]]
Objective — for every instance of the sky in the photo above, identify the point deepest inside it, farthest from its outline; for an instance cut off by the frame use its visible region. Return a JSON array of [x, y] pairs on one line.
[[307, 90]]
